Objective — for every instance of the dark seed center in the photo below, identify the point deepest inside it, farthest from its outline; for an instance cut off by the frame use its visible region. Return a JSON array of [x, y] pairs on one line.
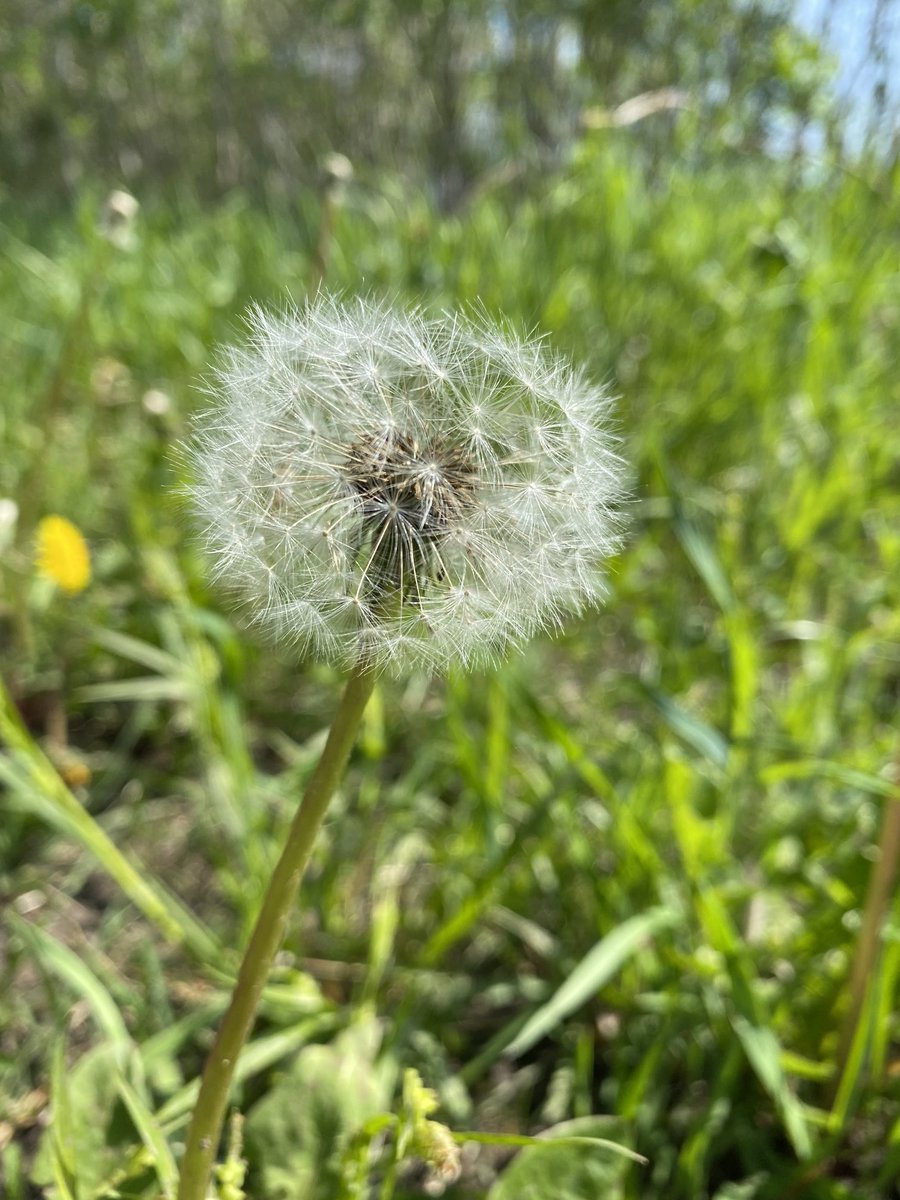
[[410, 494]]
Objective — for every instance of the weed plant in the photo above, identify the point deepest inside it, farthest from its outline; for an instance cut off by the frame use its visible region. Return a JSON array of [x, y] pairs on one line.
[[612, 889]]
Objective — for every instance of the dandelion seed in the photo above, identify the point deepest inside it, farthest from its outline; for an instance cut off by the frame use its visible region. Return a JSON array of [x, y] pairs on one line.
[[62, 554], [375, 483]]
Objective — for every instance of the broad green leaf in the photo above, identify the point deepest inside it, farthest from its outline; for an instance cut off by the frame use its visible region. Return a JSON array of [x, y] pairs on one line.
[[295, 1133], [97, 1133], [566, 1169]]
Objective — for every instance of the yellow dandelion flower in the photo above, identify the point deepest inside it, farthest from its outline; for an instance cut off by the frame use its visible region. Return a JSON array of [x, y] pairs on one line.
[[62, 554]]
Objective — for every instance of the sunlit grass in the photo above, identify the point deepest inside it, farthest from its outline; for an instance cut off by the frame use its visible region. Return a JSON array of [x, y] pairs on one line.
[[623, 876]]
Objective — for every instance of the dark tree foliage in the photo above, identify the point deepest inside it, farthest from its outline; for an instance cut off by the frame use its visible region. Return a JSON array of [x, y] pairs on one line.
[[212, 95]]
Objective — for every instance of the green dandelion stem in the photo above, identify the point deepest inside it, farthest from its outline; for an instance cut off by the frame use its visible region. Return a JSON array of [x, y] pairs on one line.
[[212, 1101]]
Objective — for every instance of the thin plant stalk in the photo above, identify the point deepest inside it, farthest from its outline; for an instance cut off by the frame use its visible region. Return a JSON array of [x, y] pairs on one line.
[[212, 1101], [878, 898], [338, 171]]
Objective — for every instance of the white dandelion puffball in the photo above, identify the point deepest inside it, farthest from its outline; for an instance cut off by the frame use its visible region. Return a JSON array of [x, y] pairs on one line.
[[383, 487]]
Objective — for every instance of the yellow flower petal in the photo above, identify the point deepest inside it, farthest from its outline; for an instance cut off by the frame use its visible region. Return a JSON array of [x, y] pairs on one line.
[[62, 554]]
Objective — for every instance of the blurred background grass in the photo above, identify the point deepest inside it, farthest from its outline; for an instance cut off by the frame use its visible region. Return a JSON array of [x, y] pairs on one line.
[[617, 882]]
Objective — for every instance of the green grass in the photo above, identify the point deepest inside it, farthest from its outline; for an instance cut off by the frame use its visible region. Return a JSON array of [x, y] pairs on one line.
[[612, 887]]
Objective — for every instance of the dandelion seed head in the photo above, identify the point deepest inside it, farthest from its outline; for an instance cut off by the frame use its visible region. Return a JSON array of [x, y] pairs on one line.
[[372, 482]]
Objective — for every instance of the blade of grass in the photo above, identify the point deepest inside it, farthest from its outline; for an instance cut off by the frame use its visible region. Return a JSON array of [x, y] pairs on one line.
[[468, 913], [596, 968], [865, 968], [62, 962], [694, 1156], [559, 733], [152, 1136], [763, 1051], [62, 1141], [817, 768], [31, 775], [748, 1017], [142, 688], [707, 741], [145, 654], [519, 1139]]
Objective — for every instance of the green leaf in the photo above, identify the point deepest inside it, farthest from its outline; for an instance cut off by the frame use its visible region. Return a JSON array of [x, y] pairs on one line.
[[62, 1118], [763, 1050], [148, 687], [34, 780], [259, 1055], [817, 768], [596, 969], [567, 1164], [69, 968], [702, 737], [295, 1134], [520, 1140], [89, 1125], [702, 553], [143, 653], [152, 1136]]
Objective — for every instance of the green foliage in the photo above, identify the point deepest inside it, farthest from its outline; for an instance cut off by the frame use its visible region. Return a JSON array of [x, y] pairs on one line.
[[299, 1131], [621, 875], [93, 1145], [563, 1170], [231, 95]]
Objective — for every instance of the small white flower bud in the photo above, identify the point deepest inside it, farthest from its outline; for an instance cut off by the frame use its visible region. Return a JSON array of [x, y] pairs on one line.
[[117, 219]]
